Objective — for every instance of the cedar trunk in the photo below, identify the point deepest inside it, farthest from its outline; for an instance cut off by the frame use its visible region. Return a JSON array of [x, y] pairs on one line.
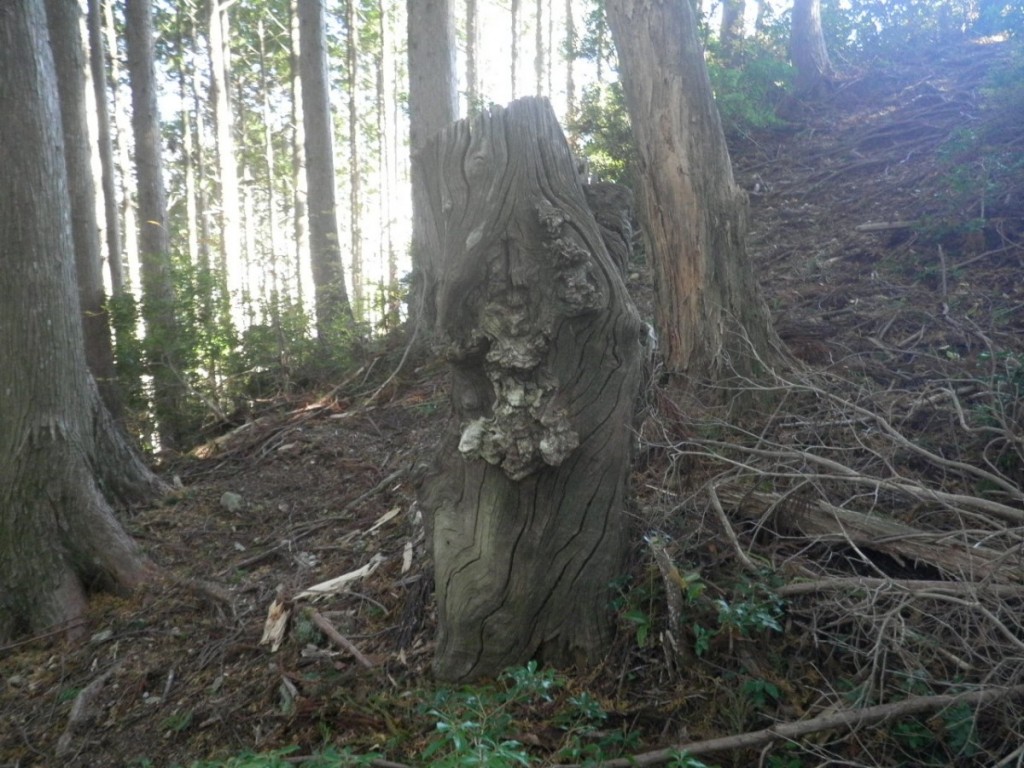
[[64, 18], [711, 319], [61, 458], [545, 349], [807, 49], [333, 310]]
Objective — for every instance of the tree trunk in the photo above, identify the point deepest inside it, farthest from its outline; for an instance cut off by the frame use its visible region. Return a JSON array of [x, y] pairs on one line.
[[514, 67], [355, 202], [121, 114], [433, 106], [711, 320], [98, 69], [571, 48], [59, 451], [539, 51], [300, 218], [159, 303], [807, 49], [64, 20], [544, 346], [732, 25], [231, 270], [472, 77], [332, 307]]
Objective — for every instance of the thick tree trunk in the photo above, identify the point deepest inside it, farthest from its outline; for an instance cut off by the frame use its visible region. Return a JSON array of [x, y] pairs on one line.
[[545, 349], [64, 19], [711, 320], [332, 306], [807, 49], [61, 458]]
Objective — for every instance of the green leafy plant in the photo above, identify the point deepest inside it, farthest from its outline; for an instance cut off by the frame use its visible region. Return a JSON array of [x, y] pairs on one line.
[[474, 725], [761, 693]]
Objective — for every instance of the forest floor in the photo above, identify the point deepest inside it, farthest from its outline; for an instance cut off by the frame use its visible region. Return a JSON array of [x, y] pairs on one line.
[[894, 273]]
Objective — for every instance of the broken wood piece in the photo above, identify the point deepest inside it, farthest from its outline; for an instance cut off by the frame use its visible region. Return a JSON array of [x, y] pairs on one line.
[[335, 585], [883, 226], [338, 639]]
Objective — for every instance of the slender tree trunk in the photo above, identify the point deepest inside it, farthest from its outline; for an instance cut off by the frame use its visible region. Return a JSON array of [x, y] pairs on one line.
[[300, 217], [355, 203], [98, 69], [268, 162], [61, 458], [64, 20], [230, 267], [539, 52], [515, 47], [332, 305], [711, 320], [807, 49], [472, 76], [545, 350], [185, 27], [731, 29], [570, 60], [123, 129], [432, 107], [159, 303], [389, 141]]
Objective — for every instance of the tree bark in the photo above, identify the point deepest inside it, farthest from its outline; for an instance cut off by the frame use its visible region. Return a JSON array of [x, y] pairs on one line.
[[545, 349], [159, 303], [514, 66], [98, 69], [731, 29], [472, 76], [231, 266], [64, 20], [355, 171], [711, 319], [332, 306], [433, 106], [807, 49], [61, 458], [121, 114], [300, 218]]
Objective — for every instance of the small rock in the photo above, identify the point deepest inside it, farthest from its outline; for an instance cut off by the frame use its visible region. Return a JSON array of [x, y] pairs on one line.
[[232, 502]]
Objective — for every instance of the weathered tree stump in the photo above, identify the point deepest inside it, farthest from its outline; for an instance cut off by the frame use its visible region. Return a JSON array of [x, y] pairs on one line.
[[545, 349]]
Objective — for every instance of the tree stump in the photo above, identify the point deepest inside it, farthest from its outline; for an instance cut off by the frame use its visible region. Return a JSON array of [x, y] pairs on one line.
[[545, 349]]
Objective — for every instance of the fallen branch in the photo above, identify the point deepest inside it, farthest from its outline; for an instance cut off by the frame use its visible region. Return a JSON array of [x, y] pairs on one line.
[[914, 587], [83, 712], [882, 226], [829, 522], [851, 719], [339, 639]]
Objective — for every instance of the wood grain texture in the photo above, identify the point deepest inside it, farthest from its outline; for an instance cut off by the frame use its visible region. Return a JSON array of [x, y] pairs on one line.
[[545, 349]]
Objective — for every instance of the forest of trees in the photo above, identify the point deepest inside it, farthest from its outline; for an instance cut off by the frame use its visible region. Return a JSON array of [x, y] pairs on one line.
[[209, 202]]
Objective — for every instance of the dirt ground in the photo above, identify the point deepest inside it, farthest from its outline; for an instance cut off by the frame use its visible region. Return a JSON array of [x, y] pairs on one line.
[[319, 487]]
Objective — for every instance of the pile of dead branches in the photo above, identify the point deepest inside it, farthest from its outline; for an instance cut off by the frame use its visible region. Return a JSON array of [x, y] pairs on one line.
[[891, 523]]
